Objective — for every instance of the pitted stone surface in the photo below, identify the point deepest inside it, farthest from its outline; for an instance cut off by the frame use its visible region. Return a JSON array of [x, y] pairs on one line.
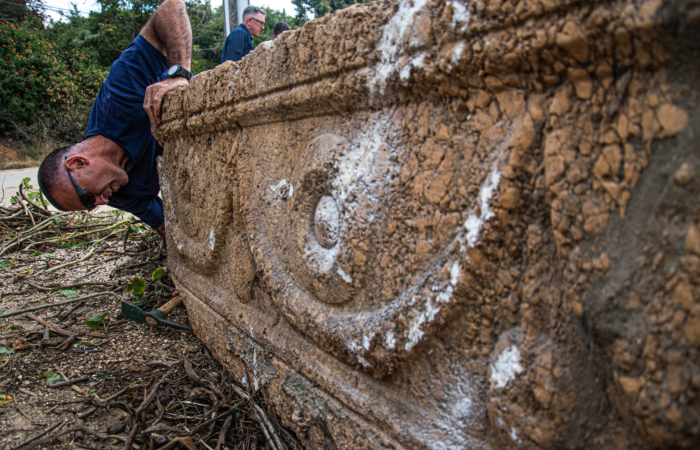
[[327, 222], [452, 224]]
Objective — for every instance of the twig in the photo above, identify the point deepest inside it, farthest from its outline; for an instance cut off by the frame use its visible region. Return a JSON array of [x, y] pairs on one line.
[[67, 343], [130, 441], [56, 288], [68, 264], [224, 431], [51, 305], [68, 382], [60, 331], [149, 398], [264, 421], [202, 425], [42, 210], [19, 200]]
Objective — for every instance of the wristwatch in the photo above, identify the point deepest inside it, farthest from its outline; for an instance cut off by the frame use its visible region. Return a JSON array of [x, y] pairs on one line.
[[178, 71]]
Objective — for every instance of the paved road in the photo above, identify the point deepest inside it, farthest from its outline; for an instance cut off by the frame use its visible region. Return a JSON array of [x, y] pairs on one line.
[[12, 180]]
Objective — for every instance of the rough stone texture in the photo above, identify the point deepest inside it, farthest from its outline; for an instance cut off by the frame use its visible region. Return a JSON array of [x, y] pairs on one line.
[[507, 251]]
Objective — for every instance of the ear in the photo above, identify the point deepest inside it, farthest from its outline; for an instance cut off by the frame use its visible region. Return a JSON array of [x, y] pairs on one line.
[[75, 162]]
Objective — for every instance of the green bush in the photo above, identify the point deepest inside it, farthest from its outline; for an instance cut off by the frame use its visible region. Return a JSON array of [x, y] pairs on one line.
[[46, 83]]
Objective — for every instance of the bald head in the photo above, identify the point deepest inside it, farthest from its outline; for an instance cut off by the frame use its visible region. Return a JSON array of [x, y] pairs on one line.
[[96, 166], [53, 177]]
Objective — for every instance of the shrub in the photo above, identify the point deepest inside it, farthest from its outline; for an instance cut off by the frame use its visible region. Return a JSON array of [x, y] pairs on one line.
[[46, 83]]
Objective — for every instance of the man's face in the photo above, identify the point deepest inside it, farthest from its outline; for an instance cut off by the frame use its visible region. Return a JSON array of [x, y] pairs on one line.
[[96, 175], [256, 24]]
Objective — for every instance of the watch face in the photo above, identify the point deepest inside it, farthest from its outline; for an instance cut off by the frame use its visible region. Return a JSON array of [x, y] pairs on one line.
[[172, 70]]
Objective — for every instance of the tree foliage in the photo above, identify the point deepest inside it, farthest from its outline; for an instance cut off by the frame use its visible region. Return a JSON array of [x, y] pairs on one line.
[[321, 7], [47, 82]]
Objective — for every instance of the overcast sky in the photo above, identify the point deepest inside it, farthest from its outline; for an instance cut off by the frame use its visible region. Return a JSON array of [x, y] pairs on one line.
[[90, 5]]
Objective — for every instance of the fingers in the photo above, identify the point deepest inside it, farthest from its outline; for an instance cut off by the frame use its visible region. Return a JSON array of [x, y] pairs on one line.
[[147, 103], [157, 99], [153, 99]]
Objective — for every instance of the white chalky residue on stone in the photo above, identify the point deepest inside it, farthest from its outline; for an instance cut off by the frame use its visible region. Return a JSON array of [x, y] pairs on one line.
[[506, 368], [444, 295], [462, 408], [366, 340], [514, 436], [415, 333], [392, 40], [363, 361], [457, 52], [460, 14], [347, 278], [267, 44], [327, 222], [389, 340], [454, 273], [475, 221], [255, 367], [282, 189], [358, 162], [416, 62], [212, 240]]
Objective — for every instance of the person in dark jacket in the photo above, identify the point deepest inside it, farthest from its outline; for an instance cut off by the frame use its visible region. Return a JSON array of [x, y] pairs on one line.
[[240, 41], [116, 162]]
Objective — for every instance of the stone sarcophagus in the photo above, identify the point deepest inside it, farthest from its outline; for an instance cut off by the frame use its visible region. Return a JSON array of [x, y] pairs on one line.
[[451, 224]]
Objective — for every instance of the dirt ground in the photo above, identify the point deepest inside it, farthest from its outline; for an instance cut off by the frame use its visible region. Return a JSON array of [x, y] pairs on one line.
[[127, 385]]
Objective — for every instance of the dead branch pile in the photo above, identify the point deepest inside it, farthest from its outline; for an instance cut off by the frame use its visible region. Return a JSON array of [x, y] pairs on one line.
[[121, 385]]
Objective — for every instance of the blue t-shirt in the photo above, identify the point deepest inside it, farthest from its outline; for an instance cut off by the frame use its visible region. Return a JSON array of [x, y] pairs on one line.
[[239, 43], [118, 115]]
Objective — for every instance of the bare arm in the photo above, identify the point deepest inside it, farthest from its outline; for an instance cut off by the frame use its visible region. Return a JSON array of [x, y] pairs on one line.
[[169, 31]]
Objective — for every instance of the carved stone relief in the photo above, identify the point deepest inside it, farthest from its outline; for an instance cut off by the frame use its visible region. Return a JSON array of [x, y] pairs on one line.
[[451, 224]]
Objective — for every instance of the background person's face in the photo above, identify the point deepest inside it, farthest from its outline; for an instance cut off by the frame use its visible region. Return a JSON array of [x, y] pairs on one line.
[[256, 26]]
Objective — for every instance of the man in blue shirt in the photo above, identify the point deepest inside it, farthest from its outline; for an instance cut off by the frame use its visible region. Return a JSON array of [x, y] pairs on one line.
[[240, 41], [115, 163]]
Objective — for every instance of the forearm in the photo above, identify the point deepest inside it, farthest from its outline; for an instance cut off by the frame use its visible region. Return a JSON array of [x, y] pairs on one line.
[[170, 29]]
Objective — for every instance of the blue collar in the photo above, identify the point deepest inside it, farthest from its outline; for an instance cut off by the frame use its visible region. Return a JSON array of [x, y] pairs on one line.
[[250, 36]]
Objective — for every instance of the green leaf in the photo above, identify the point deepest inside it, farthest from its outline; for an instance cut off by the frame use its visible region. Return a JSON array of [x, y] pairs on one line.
[[52, 378], [159, 272], [13, 201], [96, 321], [37, 253], [78, 342], [7, 262], [92, 391], [137, 286], [6, 351], [70, 293], [14, 327], [100, 374]]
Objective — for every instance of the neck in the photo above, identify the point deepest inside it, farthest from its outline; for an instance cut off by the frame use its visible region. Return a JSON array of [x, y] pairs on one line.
[[101, 147]]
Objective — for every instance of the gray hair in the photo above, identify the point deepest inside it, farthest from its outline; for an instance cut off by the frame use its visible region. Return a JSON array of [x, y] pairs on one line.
[[251, 11]]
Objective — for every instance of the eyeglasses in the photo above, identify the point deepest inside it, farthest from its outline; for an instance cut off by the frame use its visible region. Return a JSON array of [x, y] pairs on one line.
[[261, 22], [86, 198]]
